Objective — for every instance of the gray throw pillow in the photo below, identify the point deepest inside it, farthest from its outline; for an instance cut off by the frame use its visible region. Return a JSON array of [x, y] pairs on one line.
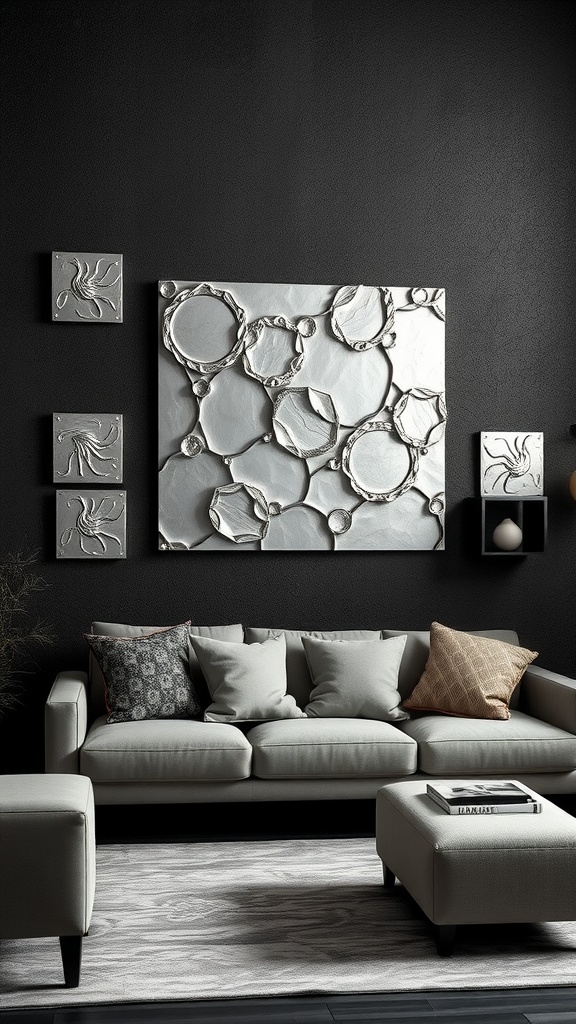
[[355, 679], [247, 682], [147, 676]]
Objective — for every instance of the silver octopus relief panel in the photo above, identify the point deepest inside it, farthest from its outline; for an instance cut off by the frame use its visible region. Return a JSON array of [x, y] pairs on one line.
[[511, 462], [87, 447], [87, 287], [301, 417], [90, 524]]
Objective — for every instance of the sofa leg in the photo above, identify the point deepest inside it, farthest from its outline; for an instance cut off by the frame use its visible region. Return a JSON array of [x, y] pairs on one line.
[[389, 877], [445, 939], [71, 949]]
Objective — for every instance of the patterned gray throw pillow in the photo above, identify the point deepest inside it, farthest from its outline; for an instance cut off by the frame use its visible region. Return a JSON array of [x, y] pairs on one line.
[[147, 676]]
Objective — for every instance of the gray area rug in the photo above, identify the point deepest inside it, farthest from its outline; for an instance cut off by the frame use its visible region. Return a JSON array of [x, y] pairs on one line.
[[302, 916]]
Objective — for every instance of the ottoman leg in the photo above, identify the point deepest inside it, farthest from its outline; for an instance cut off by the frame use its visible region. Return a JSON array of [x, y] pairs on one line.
[[445, 939], [71, 949], [389, 877]]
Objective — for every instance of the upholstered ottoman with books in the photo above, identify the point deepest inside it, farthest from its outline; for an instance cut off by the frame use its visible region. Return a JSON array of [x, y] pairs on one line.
[[476, 868], [48, 861]]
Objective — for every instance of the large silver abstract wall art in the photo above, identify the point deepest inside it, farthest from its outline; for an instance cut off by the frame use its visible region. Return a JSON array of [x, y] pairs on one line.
[[87, 287], [87, 447], [300, 417], [511, 462], [90, 524]]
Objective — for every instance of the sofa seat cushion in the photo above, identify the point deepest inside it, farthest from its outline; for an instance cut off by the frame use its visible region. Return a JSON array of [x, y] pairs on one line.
[[165, 750], [478, 746], [330, 748]]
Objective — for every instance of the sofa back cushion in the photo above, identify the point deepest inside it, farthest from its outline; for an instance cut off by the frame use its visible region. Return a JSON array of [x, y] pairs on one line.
[[299, 680], [418, 648], [96, 679]]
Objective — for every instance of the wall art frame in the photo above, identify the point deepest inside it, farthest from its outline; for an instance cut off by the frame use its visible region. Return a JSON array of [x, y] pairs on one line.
[[87, 447], [301, 417], [511, 463], [90, 524], [87, 287]]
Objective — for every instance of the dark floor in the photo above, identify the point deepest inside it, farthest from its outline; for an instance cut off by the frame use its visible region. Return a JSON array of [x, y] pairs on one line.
[[504, 1006], [199, 823]]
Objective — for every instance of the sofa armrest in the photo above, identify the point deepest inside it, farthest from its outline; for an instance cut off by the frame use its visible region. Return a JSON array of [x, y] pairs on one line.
[[550, 697], [66, 722]]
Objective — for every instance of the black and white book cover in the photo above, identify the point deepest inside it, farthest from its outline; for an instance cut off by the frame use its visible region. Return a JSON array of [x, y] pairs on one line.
[[486, 797]]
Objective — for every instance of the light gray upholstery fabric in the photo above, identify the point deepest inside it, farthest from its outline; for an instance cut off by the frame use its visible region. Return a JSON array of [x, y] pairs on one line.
[[550, 697], [165, 750], [299, 682], [418, 648], [248, 791], [478, 869], [247, 682], [479, 746], [47, 855], [65, 722], [233, 633], [330, 748], [355, 678]]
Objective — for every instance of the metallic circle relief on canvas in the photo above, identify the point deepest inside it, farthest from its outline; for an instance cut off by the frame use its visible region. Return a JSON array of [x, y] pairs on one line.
[[363, 317], [204, 328], [273, 349], [431, 298], [340, 520], [192, 445], [419, 417], [305, 422], [240, 513], [379, 465], [302, 417]]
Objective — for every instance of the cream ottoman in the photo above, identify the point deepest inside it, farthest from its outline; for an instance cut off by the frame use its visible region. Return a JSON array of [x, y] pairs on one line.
[[476, 869], [47, 861]]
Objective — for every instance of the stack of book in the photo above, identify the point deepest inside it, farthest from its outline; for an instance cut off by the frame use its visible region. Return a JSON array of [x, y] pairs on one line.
[[492, 797]]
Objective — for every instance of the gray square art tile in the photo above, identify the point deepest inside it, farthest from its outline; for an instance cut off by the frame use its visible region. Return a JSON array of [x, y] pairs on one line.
[[511, 463], [87, 447], [90, 524], [87, 287]]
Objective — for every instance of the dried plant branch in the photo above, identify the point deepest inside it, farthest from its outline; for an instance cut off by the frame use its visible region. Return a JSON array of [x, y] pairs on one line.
[[18, 580]]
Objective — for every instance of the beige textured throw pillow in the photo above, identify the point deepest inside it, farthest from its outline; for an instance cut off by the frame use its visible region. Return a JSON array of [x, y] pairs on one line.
[[468, 676]]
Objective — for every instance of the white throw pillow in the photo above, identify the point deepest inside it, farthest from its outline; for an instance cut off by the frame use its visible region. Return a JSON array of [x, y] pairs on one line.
[[247, 682], [355, 678]]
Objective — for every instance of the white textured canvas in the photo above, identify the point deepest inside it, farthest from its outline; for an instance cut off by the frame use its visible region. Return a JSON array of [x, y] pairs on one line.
[[300, 417]]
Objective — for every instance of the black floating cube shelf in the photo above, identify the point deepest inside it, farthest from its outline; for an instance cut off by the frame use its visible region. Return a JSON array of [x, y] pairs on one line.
[[530, 514]]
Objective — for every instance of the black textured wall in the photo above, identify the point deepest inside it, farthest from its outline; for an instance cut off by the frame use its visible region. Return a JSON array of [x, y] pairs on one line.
[[400, 142]]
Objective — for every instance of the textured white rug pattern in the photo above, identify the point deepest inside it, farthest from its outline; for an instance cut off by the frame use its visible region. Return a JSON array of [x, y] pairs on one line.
[[304, 916]]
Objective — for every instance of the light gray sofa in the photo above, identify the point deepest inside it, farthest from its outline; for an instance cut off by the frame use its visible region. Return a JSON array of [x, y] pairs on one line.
[[190, 761]]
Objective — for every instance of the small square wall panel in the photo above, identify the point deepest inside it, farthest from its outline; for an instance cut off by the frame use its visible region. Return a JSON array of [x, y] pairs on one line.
[[87, 447], [511, 463], [87, 287], [90, 524]]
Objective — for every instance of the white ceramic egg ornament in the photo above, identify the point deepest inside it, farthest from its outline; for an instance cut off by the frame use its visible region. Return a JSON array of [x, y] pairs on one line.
[[507, 536]]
